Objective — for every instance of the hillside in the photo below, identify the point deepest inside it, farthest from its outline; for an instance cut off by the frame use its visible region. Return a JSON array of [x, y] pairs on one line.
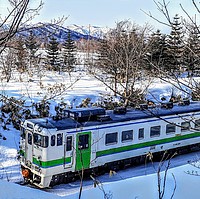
[[43, 30]]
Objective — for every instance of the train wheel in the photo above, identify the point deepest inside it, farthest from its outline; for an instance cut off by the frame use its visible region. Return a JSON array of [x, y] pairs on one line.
[[55, 180]]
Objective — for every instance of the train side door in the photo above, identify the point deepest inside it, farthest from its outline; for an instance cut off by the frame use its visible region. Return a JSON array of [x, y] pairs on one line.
[[68, 151], [29, 146], [83, 150]]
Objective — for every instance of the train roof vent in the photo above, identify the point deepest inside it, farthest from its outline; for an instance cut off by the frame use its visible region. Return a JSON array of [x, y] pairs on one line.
[[185, 102], [143, 107], [102, 118], [84, 114], [167, 105], [119, 110]]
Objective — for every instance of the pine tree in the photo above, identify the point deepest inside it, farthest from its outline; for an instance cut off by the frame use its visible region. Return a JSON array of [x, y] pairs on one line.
[[32, 46], [157, 46], [192, 52], [69, 51], [175, 47], [53, 54]]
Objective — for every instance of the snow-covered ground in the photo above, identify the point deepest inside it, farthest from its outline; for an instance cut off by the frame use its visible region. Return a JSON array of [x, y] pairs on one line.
[[139, 182]]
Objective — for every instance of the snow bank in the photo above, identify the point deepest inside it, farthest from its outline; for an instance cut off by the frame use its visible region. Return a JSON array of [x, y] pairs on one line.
[[143, 187], [14, 191]]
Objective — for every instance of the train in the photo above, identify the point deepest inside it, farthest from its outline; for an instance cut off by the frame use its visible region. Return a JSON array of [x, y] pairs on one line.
[[55, 150]]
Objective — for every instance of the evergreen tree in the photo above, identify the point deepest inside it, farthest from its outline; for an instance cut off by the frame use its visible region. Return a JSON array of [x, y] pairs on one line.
[[69, 51], [175, 47], [157, 46], [53, 54], [32, 46], [192, 52]]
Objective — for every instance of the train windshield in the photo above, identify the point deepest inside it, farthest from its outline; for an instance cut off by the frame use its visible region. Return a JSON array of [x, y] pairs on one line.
[[22, 132], [40, 140]]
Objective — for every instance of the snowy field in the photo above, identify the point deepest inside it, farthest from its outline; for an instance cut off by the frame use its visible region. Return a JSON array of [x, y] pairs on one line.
[[132, 183]]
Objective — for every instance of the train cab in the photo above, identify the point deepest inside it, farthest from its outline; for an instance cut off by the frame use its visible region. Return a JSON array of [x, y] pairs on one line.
[[34, 146]]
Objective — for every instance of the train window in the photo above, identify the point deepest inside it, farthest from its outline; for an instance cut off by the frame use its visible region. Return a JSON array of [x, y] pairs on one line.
[[111, 138], [83, 141], [185, 126], [22, 132], [141, 133], [30, 138], [69, 143], [40, 140], [59, 139], [30, 126], [170, 128], [197, 124], [127, 135], [155, 131], [53, 140]]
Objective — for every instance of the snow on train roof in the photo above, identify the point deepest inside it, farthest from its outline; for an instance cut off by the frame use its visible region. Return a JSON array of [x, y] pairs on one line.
[[131, 114], [50, 123]]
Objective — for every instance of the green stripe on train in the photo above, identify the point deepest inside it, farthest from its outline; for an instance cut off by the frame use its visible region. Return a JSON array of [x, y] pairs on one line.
[[146, 144], [52, 163]]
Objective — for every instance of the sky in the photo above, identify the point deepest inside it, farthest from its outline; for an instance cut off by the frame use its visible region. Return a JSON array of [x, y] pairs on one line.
[[103, 13]]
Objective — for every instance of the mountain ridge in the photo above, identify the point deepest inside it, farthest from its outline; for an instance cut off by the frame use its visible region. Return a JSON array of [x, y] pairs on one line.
[[45, 30]]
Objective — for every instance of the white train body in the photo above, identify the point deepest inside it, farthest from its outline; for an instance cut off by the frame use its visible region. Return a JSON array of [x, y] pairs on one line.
[[55, 150]]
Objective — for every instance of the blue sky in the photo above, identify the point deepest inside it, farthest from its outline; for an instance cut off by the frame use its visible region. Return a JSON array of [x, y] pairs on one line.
[[102, 12], [96, 12]]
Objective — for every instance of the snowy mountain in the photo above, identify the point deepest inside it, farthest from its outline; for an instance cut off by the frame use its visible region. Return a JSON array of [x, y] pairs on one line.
[[77, 32], [94, 31]]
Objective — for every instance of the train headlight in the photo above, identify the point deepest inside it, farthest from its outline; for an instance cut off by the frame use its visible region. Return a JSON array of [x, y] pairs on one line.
[[25, 173]]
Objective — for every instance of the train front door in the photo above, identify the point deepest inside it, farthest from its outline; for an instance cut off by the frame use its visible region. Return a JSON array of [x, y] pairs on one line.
[[83, 150], [68, 151], [29, 146]]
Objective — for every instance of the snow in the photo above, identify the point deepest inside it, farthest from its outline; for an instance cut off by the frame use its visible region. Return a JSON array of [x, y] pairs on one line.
[[15, 191], [139, 182], [143, 187]]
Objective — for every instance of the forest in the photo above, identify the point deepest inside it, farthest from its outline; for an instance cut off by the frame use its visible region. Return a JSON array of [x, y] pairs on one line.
[[126, 60], [123, 57]]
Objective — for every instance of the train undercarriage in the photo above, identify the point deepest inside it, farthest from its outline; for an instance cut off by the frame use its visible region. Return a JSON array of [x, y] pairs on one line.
[[63, 178]]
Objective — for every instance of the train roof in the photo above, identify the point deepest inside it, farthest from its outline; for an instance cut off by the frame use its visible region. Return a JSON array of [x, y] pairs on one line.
[[111, 117]]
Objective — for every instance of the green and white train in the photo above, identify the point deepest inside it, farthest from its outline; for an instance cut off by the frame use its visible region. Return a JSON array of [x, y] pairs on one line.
[[55, 151]]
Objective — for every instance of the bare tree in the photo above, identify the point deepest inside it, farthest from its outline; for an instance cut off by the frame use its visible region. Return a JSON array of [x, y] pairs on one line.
[[7, 64], [19, 14], [164, 166], [98, 184], [121, 59]]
